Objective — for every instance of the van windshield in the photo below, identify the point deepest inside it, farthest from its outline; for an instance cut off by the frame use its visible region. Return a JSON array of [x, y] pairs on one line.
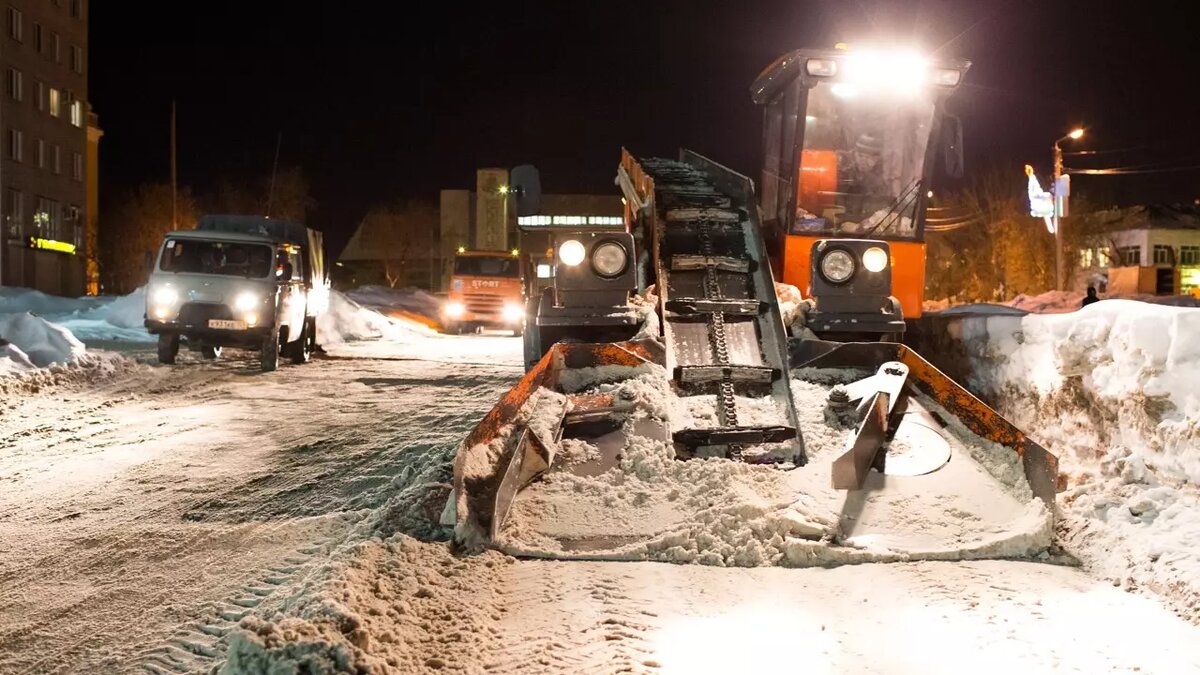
[[232, 259], [487, 266]]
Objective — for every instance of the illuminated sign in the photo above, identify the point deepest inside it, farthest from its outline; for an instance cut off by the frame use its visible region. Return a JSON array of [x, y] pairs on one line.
[[570, 220], [1041, 203], [52, 245]]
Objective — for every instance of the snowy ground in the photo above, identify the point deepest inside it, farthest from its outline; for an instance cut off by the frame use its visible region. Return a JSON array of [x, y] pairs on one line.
[[207, 516]]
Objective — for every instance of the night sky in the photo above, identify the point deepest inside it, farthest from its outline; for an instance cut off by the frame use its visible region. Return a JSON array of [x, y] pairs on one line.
[[377, 104]]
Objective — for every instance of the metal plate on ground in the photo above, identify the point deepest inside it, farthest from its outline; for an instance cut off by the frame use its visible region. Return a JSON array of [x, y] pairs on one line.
[[917, 447]]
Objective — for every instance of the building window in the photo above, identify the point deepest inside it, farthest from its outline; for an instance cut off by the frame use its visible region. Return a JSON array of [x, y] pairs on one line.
[[39, 38], [57, 44], [1189, 255], [1163, 255], [57, 160], [16, 139], [47, 220], [39, 92], [77, 58], [77, 113], [16, 84], [76, 8], [41, 154], [1131, 256], [77, 166], [15, 27], [75, 225], [14, 209], [54, 102]]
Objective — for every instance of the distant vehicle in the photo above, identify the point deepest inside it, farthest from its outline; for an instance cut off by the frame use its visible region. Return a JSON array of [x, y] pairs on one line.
[[485, 292], [238, 281]]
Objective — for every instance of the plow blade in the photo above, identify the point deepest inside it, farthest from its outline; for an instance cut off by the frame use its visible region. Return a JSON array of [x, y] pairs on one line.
[[1039, 465]]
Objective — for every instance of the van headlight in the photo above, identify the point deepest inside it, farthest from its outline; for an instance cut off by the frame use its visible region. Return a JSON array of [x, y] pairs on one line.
[[609, 258], [837, 266], [165, 296], [246, 301], [571, 252]]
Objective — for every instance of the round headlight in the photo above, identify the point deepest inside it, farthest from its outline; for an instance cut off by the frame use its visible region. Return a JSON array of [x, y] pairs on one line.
[[245, 302], [875, 259], [571, 253], [609, 258], [837, 266], [165, 296]]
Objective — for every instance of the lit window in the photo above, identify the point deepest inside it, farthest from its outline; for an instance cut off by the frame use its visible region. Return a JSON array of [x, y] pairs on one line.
[[1131, 256], [77, 113], [14, 209], [54, 102]]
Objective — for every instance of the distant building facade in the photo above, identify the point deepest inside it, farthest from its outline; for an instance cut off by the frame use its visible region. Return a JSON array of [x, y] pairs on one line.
[[1151, 249], [46, 162]]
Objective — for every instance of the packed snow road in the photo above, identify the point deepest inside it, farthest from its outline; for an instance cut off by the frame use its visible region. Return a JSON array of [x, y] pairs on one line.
[[144, 515]]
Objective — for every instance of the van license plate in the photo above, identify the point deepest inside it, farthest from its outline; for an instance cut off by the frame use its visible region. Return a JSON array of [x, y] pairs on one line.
[[224, 324]]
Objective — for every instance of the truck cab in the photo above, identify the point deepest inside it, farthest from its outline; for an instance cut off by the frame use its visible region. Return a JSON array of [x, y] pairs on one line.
[[238, 281], [485, 292]]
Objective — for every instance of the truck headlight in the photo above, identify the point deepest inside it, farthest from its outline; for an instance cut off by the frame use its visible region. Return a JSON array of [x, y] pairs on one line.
[[875, 259], [165, 296], [454, 309], [246, 301], [837, 266], [609, 258], [513, 312], [571, 252]]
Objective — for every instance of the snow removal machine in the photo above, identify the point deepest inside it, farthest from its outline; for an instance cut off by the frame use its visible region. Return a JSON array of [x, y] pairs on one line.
[[811, 434]]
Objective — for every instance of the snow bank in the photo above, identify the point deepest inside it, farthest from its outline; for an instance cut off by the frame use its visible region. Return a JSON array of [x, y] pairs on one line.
[[346, 321], [36, 354], [1051, 302], [412, 300], [1112, 389], [87, 318], [42, 342]]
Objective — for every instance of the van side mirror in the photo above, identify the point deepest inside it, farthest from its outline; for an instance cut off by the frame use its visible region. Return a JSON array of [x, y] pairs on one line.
[[953, 137], [284, 271]]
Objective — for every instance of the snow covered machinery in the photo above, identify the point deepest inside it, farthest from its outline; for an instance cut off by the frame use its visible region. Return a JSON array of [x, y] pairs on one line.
[[667, 340]]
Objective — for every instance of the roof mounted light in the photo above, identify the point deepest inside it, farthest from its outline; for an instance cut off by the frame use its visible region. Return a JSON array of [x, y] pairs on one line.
[[821, 67], [947, 77]]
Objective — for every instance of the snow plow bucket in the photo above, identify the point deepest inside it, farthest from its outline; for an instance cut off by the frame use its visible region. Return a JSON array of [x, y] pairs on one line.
[[1040, 466], [513, 443]]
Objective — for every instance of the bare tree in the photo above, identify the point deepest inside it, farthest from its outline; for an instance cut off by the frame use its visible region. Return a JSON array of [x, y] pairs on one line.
[[401, 235], [134, 229]]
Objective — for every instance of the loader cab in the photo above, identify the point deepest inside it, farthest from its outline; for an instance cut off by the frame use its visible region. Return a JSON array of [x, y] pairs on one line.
[[850, 142]]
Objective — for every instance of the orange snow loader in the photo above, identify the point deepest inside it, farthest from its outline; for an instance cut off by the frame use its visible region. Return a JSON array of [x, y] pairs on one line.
[[666, 341]]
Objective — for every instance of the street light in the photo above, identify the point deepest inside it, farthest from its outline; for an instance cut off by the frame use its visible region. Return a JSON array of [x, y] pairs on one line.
[[1059, 272]]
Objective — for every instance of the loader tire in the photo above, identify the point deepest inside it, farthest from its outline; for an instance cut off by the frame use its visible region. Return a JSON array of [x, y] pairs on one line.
[[213, 352], [301, 350], [268, 356], [168, 348]]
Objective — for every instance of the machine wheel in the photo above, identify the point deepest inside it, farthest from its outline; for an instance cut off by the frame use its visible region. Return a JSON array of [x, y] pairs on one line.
[[208, 352], [452, 328], [301, 349], [168, 348], [269, 355]]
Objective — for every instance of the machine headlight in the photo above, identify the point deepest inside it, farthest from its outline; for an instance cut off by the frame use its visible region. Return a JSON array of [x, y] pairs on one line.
[[821, 67], [947, 77], [454, 309], [246, 301], [609, 258], [165, 296], [571, 252], [875, 259], [513, 312], [837, 266]]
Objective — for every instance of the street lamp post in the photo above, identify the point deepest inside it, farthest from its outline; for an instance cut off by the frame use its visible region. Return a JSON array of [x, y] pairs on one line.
[[1059, 272]]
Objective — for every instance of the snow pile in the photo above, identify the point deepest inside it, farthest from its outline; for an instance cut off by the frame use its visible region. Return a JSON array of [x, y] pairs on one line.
[[346, 321], [87, 318], [645, 504], [42, 342], [1112, 390], [393, 605], [412, 300], [1051, 302], [13, 360]]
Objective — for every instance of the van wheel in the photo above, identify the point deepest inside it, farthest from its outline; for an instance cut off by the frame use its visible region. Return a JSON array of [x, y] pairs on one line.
[[213, 352], [269, 355], [301, 349], [168, 348]]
